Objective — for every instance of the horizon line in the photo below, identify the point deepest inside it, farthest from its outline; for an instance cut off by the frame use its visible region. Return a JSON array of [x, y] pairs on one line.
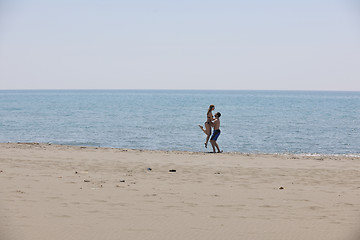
[[159, 89]]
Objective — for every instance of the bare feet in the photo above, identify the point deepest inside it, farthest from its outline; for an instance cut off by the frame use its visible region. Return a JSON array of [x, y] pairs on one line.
[[217, 152]]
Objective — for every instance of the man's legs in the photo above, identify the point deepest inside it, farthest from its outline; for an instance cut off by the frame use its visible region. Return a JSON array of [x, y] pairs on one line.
[[217, 146], [214, 144]]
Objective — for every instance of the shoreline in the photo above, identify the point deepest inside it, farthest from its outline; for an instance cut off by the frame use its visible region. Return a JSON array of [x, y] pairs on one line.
[[88, 193], [350, 155]]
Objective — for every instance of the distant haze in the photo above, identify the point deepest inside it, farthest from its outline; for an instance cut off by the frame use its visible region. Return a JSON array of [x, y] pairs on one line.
[[260, 45]]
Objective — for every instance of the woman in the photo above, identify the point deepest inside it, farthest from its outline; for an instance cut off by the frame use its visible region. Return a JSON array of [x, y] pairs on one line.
[[208, 124]]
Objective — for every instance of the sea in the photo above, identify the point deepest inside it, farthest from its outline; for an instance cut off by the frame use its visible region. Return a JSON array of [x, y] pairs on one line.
[[269, 122]]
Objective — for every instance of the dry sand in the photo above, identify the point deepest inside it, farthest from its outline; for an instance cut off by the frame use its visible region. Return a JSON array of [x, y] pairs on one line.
[[64, 192]]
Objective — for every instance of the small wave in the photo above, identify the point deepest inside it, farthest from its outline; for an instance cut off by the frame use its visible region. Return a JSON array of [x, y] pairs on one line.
[[327, 155], [75, 143]]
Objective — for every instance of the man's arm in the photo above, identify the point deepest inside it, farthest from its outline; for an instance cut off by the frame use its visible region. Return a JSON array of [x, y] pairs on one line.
[[216, 123]]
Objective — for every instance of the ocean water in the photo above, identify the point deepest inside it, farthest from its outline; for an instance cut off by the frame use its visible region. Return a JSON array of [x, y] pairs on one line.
[[300, 122]]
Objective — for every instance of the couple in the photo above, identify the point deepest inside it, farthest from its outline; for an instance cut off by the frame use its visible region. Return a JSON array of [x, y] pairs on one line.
[[215, 123]]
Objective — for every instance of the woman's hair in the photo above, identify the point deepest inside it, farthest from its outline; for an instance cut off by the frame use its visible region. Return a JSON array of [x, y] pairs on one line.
[[210, 108]]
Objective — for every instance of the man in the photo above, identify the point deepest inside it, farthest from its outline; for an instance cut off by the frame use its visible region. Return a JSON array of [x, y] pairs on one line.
[[214, 137]]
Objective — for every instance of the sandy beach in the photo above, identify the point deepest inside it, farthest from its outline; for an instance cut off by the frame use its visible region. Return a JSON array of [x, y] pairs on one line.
[[83, 193]]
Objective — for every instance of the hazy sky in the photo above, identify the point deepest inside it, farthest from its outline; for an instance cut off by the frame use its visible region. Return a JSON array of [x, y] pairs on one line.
[[115, 44]]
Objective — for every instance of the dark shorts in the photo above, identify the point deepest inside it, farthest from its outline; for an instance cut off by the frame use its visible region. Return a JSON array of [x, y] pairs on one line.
[[215, 135]]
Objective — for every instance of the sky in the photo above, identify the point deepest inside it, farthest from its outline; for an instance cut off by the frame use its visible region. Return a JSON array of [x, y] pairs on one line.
[[188, 44]]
